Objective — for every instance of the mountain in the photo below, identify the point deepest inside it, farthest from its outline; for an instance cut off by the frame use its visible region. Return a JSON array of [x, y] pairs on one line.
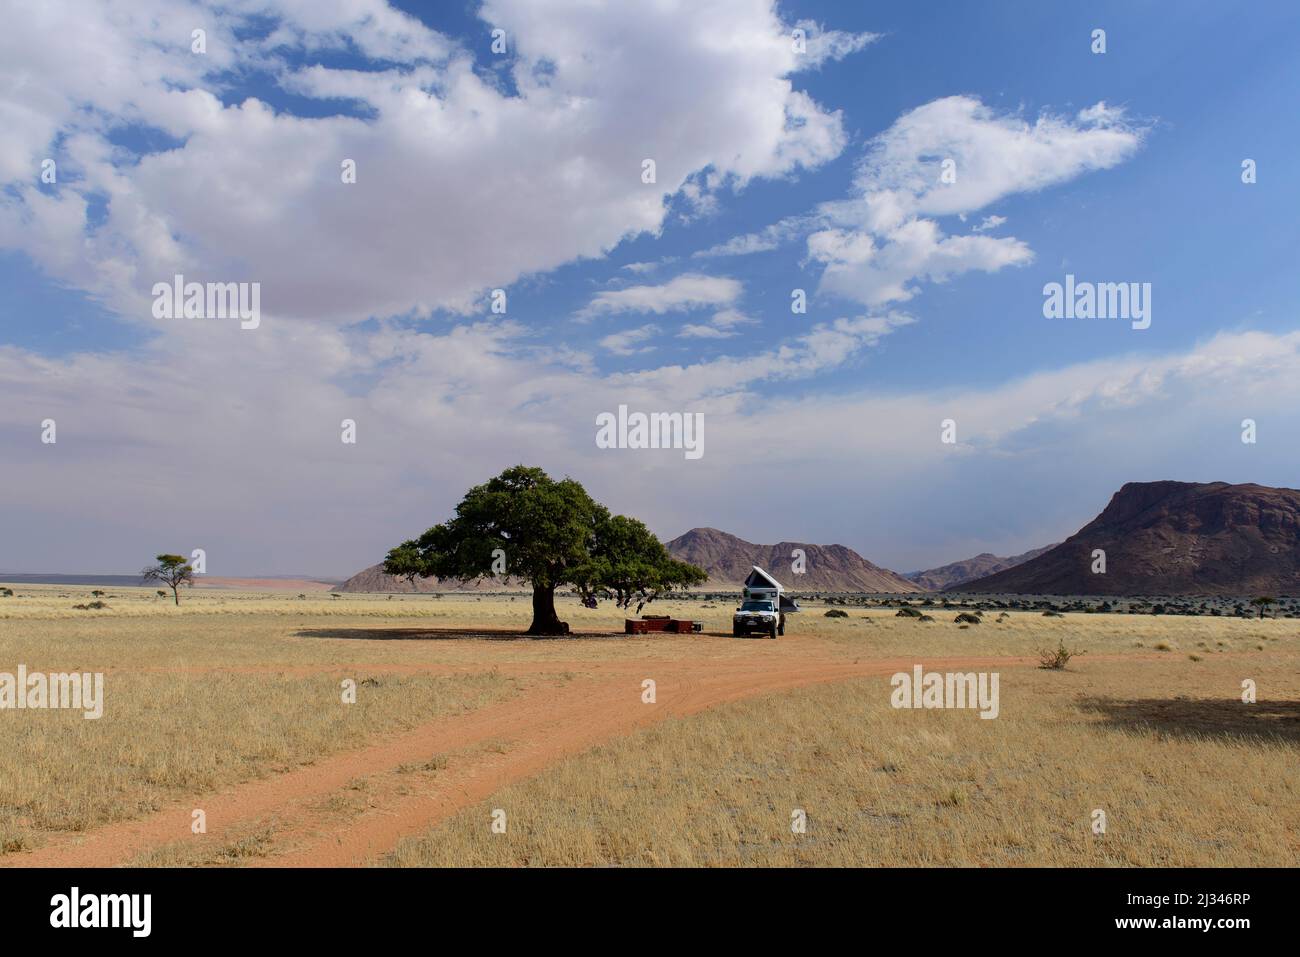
[[728, 561], [967, 570], [1173, 538]]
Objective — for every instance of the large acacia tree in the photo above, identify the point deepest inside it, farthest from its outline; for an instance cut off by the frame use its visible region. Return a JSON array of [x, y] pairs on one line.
[[550, 534]]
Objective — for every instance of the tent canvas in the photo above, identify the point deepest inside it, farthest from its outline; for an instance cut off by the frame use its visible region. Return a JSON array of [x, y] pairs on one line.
[[760, 584], [759, 579]]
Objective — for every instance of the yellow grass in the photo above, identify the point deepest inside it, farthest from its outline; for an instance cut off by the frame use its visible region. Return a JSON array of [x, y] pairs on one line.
[[167, 736], [1186, 774]]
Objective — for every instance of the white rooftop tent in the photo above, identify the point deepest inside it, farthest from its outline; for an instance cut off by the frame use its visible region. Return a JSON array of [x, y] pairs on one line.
[[760, 585]]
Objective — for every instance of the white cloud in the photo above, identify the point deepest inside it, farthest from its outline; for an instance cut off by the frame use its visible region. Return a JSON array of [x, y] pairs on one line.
[[822, 45], [769, 238], [721, 326], [629, 341], [879, 243], [687, 291], [642, 269], [447, 163]]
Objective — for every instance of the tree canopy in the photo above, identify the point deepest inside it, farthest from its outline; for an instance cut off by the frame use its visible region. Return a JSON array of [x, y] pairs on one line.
[[524, 524]]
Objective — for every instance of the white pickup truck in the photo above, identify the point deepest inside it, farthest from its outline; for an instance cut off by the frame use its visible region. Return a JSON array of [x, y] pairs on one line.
[[757, 614], [763, 607]]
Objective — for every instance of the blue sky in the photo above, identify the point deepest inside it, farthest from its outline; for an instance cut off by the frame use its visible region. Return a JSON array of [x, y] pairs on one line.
[[521, 171]]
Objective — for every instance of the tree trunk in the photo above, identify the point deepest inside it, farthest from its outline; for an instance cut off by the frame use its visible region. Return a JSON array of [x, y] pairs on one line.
[[177, 595], [546, 622]]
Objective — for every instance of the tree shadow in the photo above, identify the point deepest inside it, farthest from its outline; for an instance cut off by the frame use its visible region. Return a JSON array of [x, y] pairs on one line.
[[1262, 722], [441, 634]]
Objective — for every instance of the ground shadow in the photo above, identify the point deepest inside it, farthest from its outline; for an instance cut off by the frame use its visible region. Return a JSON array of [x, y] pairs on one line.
[[440, 634], [1265, 721]]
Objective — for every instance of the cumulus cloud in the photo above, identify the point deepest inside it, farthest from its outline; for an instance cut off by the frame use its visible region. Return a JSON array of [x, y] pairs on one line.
[[953, 156], [447, 163]]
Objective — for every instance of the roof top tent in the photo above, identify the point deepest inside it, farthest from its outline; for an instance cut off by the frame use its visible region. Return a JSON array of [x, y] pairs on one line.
[[760, 584]]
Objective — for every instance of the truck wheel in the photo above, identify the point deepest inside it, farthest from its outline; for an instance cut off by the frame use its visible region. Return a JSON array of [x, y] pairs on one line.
[[735, 631], [771, 632]]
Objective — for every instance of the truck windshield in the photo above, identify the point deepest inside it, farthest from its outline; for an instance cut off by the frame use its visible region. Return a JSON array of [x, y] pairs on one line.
[[756, 606]]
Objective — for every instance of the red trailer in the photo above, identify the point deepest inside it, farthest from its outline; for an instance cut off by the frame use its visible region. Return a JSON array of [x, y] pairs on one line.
[[650, 623]]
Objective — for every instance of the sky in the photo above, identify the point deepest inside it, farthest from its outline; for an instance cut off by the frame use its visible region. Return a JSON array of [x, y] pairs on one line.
[[459, 248]]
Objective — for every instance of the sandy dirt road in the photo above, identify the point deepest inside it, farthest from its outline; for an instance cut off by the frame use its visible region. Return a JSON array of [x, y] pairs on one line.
[[551, 721]]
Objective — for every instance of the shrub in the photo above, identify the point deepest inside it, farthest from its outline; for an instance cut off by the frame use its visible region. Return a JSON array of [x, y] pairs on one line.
[[907, 612], [837, 613], [967, 618], [1056, 659]]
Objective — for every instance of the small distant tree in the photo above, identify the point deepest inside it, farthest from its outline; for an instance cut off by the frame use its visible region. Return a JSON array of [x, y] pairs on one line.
[[1263, 602], [172, 571]]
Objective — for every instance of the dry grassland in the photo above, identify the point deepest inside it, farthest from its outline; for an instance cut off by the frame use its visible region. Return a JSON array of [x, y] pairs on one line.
[[164, 737], [235, 687], [1186, 773]]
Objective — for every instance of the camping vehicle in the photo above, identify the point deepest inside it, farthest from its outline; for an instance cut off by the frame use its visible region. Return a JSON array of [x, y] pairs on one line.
[[763, 606]]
